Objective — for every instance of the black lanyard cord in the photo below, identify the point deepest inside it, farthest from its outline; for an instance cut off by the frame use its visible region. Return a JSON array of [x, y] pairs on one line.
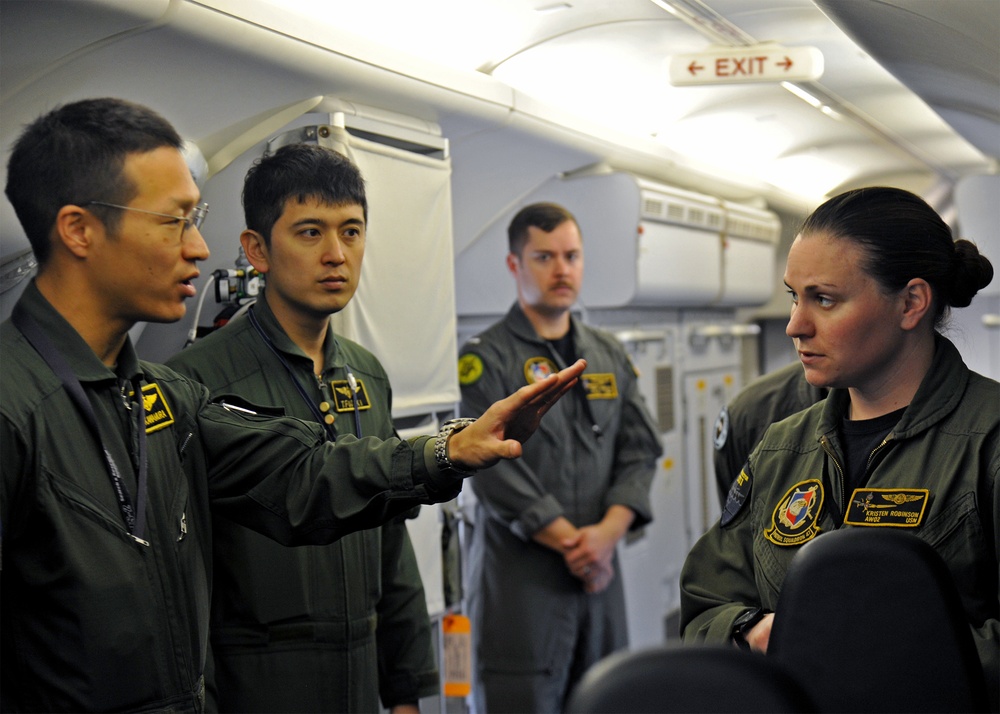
[[134, 514], [353, 384], [330, 432]]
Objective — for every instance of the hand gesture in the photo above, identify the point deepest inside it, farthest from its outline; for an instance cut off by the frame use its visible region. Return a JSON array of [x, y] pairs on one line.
[[508, 423]]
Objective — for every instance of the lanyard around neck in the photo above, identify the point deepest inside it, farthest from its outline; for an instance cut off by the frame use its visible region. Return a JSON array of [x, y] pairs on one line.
[[133, 513], [330, 433]]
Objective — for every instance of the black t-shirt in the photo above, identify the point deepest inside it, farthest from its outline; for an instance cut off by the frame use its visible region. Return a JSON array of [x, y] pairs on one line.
[[861, 437], [564, 347]]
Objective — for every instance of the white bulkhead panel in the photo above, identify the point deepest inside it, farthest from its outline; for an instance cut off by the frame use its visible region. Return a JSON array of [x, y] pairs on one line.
[[748, 253], [680, 255], [645, 244]]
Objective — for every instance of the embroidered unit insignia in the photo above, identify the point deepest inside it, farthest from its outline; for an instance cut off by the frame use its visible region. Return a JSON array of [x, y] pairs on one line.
[[470, 369], [721, 429], [538, 368], [738, 495], [794, 520]]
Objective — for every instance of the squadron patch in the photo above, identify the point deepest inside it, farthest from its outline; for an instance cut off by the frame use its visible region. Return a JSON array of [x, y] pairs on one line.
[[600, 386], [158, 414], [900, 507], [342, 398], [470, 369], [794, 520], [739, 493], [538, 368], [721, 429]]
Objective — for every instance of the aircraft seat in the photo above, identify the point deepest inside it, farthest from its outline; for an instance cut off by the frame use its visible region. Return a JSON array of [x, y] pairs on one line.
[[870, 620], [694, 678]]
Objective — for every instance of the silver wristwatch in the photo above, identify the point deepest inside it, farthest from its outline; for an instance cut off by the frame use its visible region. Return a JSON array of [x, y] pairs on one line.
[[441, 444]]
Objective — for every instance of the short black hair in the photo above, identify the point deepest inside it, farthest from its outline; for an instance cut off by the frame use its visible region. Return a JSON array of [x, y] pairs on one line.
[[544, 216], [75, 154], [302, 171]]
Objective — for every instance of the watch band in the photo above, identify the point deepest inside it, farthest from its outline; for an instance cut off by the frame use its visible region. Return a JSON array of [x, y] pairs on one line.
[[441, 444], [744, 623]]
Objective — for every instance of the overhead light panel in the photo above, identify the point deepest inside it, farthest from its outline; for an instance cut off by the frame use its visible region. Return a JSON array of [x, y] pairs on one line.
[[802, 94]]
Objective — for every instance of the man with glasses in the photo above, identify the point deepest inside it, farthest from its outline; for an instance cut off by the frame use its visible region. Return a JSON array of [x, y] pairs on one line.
[[193, 220], [111, 466]]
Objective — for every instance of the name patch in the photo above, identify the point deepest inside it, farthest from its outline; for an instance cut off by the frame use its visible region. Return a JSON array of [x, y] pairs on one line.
[[342, 396], [899, 507], [158, 414], [794, 520], [600, 386]]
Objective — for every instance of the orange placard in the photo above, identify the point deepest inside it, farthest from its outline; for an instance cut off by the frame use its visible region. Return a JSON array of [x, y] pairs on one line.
[[457, 655]]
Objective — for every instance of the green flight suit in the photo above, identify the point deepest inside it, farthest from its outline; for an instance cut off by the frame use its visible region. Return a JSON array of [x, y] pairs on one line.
[[947, 442], [94, 620], [321, 628], [535, 628]]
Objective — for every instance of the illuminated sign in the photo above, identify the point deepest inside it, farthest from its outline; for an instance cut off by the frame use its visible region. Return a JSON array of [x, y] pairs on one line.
[[735, 65]]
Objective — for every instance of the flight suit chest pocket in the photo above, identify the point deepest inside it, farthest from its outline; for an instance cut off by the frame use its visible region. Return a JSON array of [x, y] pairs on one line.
[[956, 533]]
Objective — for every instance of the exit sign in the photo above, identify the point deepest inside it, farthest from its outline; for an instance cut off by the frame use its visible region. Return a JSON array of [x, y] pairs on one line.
[[767, 63]]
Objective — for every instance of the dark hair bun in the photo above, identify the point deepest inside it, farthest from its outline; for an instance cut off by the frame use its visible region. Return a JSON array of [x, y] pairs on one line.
[[973, 272]]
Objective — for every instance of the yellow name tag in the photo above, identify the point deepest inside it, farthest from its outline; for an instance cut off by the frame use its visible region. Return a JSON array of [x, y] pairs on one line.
[[158, 415], [343, 400], [600, 386], [898, 507]]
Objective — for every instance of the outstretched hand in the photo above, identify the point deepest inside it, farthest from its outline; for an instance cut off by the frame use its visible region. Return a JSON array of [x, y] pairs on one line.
[[508, 423]]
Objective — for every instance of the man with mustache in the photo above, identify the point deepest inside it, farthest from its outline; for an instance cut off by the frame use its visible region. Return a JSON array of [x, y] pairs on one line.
[[544, 600]]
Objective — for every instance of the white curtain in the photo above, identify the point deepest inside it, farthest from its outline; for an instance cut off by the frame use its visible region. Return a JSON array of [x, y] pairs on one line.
[[404, 310]]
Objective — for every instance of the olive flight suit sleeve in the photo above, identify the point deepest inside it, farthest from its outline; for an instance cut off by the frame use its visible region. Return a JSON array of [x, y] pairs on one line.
[[987, 636], [717, 580], [280, 477], [731, 448], [15, 456], [637, 446]]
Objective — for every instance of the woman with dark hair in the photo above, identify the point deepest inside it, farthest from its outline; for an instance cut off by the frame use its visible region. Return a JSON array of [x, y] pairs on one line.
[[872, 275]]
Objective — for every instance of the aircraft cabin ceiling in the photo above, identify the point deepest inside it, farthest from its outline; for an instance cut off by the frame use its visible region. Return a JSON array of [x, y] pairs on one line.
[[909, 93]]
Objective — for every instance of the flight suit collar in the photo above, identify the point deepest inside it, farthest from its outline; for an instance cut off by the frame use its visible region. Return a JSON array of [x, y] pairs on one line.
[[332, 356], [521, 326], [78, 355], [938, 395]]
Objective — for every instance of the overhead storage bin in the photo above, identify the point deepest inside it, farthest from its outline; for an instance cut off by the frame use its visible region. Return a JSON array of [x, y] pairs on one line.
[[680, 247], [645, 244], [748, 255]]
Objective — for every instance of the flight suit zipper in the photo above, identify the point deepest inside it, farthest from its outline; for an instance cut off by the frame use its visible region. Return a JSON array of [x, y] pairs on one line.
[[876, 452], [828, 448], [869, 466]]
